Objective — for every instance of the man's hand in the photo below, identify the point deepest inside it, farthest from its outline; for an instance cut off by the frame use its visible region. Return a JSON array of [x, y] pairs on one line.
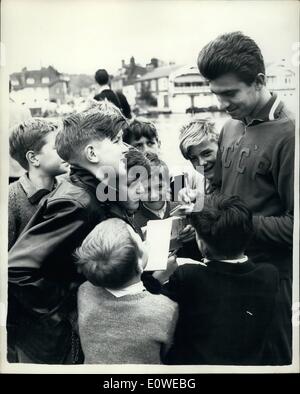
[[187, 195], [187, 234], [163, 276]]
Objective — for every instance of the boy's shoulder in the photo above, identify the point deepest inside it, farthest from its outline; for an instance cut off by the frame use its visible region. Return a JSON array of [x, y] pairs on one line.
[[14, 186], [161, 302], [79, 195]]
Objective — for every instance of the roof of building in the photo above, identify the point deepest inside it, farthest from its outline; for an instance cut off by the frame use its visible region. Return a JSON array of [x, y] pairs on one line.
[[159, 72], [37, 76]]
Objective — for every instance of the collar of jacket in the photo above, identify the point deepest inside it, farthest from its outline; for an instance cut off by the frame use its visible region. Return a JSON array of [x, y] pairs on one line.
[[117, 210], [34, 194], [84, 177], [268, 113]]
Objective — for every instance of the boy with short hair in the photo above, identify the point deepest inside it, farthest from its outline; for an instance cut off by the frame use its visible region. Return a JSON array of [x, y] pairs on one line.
[[228, 305], [120, 322], [198, 142], [142, 134], [42, 276], [156, 202], [32, 145]]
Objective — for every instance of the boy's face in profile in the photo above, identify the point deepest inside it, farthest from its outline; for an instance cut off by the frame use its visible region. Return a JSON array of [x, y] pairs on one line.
[[111, 152], [145, 144], [50, 163]]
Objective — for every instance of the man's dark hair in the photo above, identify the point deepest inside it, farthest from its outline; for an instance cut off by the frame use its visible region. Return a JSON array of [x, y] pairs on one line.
[[225, 224], [231, 53], [101, 77], [139, 128]]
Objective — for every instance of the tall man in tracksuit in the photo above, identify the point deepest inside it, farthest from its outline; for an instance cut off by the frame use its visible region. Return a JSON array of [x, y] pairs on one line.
[[256, 160]]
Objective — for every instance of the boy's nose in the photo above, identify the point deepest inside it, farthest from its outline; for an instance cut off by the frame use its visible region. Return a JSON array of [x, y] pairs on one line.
[[141, 188]]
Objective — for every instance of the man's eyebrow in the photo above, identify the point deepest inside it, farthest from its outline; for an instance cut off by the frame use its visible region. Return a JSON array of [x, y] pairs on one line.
[[224, 91]]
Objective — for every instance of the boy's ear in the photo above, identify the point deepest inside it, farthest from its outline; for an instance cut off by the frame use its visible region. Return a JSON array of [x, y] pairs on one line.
[[90, 154], [32, 158]]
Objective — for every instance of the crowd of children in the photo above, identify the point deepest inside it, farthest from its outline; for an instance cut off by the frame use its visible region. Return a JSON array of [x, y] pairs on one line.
[[77, 290]]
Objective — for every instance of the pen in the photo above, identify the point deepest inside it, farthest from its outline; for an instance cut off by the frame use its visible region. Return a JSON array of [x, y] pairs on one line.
[[173, 253], [187, 186]]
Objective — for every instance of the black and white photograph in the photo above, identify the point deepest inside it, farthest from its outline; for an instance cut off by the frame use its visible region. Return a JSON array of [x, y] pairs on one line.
[[149, 182]]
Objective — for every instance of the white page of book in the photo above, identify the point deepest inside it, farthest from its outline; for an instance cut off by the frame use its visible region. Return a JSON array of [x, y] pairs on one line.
[[158, 241]]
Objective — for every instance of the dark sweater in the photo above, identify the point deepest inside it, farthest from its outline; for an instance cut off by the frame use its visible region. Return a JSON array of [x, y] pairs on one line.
[[225, 312], [23, 201], [256, 162]]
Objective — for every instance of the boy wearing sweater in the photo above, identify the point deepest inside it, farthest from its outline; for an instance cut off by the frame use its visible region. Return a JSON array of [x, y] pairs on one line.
[[32, 145], [228, 305], [120, 322]]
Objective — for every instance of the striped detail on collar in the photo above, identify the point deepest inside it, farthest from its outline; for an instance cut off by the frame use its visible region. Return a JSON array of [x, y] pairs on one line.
[[274, 108]]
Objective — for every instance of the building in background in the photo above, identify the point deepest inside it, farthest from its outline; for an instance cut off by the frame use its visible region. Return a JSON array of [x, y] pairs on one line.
[[125, 77], [281, 79], [154, 86], [36, 88], [189, 91]]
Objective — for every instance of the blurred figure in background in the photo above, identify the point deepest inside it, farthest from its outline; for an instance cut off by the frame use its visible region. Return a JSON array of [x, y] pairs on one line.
[[117, 98]]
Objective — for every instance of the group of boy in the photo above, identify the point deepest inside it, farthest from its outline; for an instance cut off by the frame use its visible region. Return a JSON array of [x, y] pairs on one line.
[[232, 310]]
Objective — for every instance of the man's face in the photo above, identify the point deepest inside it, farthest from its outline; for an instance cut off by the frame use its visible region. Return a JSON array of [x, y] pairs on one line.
[[235, 96], [205, 155], [50, 163], [145, 144]]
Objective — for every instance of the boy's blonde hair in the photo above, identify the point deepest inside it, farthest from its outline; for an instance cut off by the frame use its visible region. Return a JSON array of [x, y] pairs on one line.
[[194, 132], [108, 256]]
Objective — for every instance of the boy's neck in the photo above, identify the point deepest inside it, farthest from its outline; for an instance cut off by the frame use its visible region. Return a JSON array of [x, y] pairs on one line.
[[103, 87], [222, 257], [41, 181], [261, 103], [132, 281], [154, 205]]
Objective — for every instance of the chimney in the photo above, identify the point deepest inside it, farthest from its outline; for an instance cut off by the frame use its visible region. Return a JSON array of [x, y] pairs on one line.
[[123, 63], [154, 62]]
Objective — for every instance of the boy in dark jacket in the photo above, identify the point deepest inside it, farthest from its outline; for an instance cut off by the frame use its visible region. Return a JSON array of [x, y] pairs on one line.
[[227, 304], [42, 277]]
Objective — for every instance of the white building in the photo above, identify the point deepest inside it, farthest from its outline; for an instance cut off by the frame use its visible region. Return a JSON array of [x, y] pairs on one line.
[[282, 81], [187, 88]]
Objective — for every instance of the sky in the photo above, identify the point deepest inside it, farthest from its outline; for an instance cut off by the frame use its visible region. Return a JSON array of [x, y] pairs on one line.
[[77, 36]]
